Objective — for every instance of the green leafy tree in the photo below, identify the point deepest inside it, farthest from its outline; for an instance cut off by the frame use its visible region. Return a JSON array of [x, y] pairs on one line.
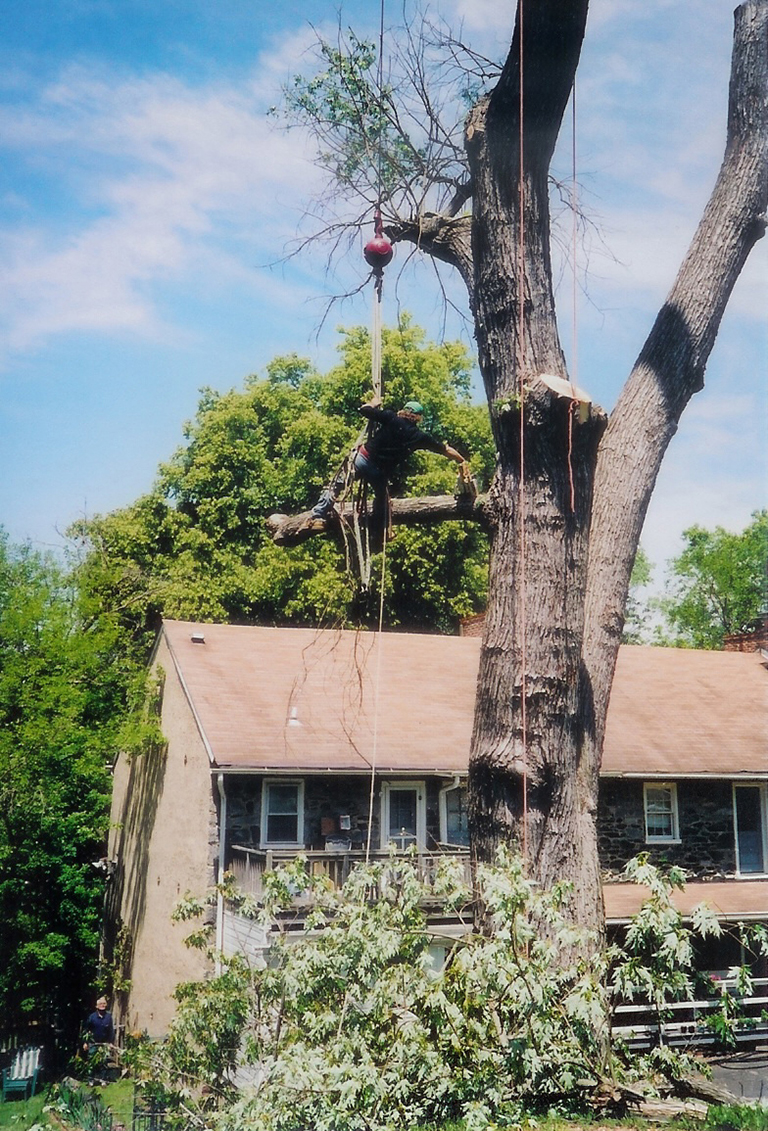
[[62, 696], [638, 610], [718, 584], [196, 547], [357, 1024]]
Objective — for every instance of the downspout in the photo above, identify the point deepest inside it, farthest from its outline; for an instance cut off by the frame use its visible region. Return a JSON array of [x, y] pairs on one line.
[[220, 873]]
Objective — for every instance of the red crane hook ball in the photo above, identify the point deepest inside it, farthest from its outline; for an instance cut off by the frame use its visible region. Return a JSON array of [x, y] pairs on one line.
[[378, 252]]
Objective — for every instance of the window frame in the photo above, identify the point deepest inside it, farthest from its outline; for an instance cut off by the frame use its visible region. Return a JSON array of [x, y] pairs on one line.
[[674, 837], [762, 790], [387, 788], [443, 811], [266, 784]]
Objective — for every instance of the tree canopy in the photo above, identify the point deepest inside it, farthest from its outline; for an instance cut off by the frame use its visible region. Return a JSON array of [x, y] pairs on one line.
[[718, 585], [63, 684], [196, 546]]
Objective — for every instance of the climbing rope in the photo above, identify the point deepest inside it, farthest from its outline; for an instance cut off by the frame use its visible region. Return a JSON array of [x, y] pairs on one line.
[[378, 253], [521, 500], [573, 408]]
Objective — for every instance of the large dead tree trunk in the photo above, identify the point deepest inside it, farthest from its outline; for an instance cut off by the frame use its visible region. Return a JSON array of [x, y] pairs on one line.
[[566, 508], [559, 570]]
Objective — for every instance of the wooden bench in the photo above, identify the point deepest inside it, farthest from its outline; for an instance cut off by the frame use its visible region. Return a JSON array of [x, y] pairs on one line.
[[22, 1075]]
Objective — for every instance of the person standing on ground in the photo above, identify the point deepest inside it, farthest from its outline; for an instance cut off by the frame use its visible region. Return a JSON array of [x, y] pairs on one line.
[[99, 1028]]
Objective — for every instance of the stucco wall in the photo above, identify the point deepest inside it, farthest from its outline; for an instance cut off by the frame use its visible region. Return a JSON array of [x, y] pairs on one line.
[[164, 839]]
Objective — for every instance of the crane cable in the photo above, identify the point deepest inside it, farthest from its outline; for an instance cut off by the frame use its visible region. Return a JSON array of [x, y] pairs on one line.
[[378, 276], [376, 381]]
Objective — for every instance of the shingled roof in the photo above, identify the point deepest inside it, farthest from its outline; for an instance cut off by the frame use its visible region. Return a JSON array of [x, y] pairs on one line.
[[301, 700]]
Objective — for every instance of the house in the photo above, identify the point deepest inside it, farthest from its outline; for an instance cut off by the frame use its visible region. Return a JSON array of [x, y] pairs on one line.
[[337, 744]]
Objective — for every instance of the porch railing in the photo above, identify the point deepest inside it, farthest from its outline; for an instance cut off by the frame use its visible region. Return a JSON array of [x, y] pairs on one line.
[[685, 1022], [249, 865]]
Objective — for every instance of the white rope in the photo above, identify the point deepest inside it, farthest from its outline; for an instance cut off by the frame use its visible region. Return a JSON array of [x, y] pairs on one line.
[[376, 702], [376, 340]]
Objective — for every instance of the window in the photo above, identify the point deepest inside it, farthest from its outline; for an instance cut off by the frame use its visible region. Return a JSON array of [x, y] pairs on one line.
[[454, 819], [749, 808], [282, 813], [403, 815], [660, 812]]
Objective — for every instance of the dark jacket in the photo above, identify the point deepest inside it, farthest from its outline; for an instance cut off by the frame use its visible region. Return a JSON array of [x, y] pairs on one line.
[[395, 439], [100, 1028]]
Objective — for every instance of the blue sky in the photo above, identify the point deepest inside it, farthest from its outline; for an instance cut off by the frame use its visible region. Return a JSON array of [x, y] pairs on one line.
[[144, 189]]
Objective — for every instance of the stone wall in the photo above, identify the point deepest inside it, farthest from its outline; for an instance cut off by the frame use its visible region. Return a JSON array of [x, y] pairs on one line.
[[705, 813], [326, 798]]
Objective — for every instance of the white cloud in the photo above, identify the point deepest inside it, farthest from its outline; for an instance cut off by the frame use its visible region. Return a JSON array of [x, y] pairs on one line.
[[170, 171]]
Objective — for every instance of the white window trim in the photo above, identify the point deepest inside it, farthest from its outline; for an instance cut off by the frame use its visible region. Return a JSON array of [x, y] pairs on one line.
[[443, 806], [421, 811], [763, 791], [672, 787], [299, 842]]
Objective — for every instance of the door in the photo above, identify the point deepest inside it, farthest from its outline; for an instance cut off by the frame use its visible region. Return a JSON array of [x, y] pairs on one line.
[[749, 813], [404, 815]]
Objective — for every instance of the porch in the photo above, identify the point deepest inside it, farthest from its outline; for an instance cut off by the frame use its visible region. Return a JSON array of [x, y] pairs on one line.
[[249, 865]]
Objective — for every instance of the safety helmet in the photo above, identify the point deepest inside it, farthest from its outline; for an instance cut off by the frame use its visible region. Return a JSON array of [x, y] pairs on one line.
[[415, 407]]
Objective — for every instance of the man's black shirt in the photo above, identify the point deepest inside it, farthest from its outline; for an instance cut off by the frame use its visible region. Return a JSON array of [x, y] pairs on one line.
[[395, 439]]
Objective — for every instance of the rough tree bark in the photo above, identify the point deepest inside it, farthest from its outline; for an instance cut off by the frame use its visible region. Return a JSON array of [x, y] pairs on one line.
[[559, 576], [567, 504]]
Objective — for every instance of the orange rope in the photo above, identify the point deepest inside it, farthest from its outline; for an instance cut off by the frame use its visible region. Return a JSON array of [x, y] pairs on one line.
[[572, 408], [378, 645], [521, 500], [574, 319]]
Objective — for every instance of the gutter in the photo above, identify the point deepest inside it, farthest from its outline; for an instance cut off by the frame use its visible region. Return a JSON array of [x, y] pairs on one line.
[[321, 771], [681, 775]]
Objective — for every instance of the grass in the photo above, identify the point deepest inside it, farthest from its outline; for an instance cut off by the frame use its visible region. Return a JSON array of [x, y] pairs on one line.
[[118, 1097], [21, 1115]]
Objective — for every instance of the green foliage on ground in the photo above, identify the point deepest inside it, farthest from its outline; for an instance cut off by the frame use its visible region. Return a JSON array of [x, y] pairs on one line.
[[718, 585], [63, 685], [360, 1023], [196, 546], [737, 1117]]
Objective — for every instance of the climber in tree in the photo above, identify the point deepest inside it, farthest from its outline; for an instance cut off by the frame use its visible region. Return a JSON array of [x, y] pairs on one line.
[[392, 436]]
